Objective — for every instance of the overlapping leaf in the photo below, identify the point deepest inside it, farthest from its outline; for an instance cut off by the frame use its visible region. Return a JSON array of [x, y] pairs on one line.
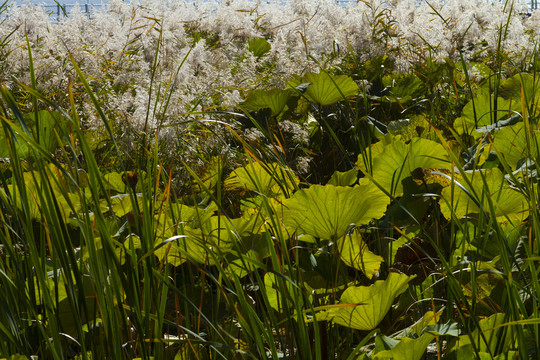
[[326, 89], [487, 185], [364, 307], [397, 160], [327, 212]]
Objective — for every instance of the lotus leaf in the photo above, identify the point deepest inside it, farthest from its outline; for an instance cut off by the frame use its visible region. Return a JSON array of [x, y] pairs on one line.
[[326, 89], [327, 212], [364, 307], [208, 243], [267, 179], [526, 84], [346, 178], [258, 46], [511, 145], [277, 299], [483, 111], [404, 87], [396, 161], [508, 204], [414, 348], [51, 126], [355, 253], [498, 338], [275, 100]]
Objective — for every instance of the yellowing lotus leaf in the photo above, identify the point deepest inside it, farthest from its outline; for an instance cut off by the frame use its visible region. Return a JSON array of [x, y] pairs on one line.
[[399, 160], [355, 253], [487, 185], [364, 307], [266, 179], [483, 111], [510, 143], [328, 211]]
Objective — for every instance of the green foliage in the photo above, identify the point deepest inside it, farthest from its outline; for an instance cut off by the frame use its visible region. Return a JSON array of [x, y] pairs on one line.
[[325, 89]]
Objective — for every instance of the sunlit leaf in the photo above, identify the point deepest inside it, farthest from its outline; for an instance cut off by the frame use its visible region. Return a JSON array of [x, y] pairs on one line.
[[482, 111], [488, 337], [414, 348], [487, 185], [265, 179], [327, 212], [274, 99], [364, 307], [258, 46], [326, 89], [355, 253], [396, 161], [514, 143]]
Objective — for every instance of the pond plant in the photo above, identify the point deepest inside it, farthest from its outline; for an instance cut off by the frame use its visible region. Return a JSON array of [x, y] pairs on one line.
[[242, 180]]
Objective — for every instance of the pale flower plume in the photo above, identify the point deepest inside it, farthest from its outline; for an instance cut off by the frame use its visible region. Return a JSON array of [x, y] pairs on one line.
[[195, 53]]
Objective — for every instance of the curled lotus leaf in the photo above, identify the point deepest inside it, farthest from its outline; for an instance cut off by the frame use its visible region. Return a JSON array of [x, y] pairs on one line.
[[364, 307], [355, 253]]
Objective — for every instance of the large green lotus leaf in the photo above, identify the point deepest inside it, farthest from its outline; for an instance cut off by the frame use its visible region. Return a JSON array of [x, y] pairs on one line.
[[414, 348], [328, 211], [496, 336], [257, 250], [510, 143], [404, 85], [513, 87], [51, 130], [364, 307], [267, 179], [210, 242], [477, 72], [355, 253], [326, 89], [508, 203], [483, 105], [277, 299], [258, 46], [275, 100], [398, 160], [67, 202], [410, 128], [346, 178], [192, 216]]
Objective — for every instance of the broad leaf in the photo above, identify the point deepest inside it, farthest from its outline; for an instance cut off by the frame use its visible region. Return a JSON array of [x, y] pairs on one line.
[[326, 89], [329, 211], [487, 185], [364, 307], [414, 348], [258, 46], [396, 161], [483, 110], [488, 337], [267, 179], [514, 143], [275, 100], [355, 253]]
